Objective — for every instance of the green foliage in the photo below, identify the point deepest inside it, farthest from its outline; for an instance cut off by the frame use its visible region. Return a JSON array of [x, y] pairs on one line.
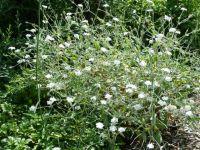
[[103, 86], [130, 9]]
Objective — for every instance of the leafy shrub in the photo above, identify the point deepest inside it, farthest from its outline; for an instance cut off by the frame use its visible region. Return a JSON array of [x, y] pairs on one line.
[[106, 86], [102, 86]]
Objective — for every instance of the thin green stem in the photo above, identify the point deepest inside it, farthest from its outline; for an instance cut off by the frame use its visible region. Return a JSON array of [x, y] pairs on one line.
[[37, 57]]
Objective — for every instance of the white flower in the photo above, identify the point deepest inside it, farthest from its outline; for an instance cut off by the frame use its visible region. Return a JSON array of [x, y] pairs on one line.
[[45, 21], [151, 51], [86, 34], [105, 5], [178, 32], [48, 76], [98, 85], [91, 59], [137, 107], [150, 41], [34, 78], [32, 108], [56, 148], [113, 128], [93, 98], [108, 24], [61, 46], [21, 61], [183, 9], [117, 62], [114, 120], [108, 39], [162, 103], [69, 14], [28, 35], [85, 26], [17, 50], [167, 18], [168, 53], [67, 44], [77, 107], [68, 17], [67, 67], [170, 107], [88, 68], [159, 37], [166, 70], [103, 102], [125, 33], [33, 30], [105, 63], [191, 101], [51, 100], [130, 88], [172, 30], [150, 146], [142, 63], [51, 85], [59, 86], [78, 72], [141, 95], [49, 38], [103, 49], [116, 19], [44, 6], [187, 108], [156, 83], [11, 48], [196, 89], [113, 88], [44, 56], [65, 76], [148, 83], [108, 96], [27, 56], [149, 10], [165, 98], [70, 99], [80, 5], [76, 36], [121, 129], [168, 78], [99, 125], [189, 113], [187, 86]]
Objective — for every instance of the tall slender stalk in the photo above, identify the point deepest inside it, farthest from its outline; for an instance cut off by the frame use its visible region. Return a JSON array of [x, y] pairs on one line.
[[37, 56]]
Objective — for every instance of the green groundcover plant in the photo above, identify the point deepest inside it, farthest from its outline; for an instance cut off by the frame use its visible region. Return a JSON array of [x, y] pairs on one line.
[[100, 86]]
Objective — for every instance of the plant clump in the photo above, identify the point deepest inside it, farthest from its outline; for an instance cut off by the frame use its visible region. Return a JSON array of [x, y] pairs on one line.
[[102, 86]]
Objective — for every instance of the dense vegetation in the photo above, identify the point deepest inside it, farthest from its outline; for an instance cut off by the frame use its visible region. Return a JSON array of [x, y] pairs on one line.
[[97, 74]]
